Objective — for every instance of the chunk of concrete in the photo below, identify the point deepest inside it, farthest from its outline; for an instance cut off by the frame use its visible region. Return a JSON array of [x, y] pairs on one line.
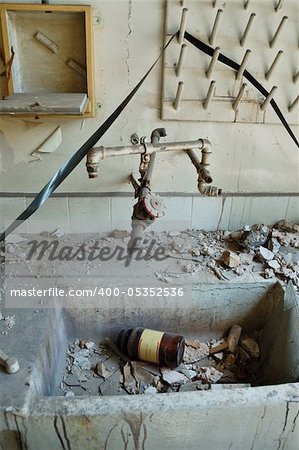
[[230, 259]]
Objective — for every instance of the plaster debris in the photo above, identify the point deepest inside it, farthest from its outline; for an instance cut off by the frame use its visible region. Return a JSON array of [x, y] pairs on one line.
[[151, 390], [86, 343], [163, 277], [269, 273], [251, 347], [101, 370], [209, 375], [120, 234], [180, 245], [9, 321], [14, 239], [57, 233], [265, 254], [273, 264], [192, 354], [194, 344], [69, 394], [256, 237], [230, 259], [231, 359], [173, 377], [129, 381]]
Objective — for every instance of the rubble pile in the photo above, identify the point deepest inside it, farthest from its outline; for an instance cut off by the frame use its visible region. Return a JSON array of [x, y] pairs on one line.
[[269, 251], [93, 369]]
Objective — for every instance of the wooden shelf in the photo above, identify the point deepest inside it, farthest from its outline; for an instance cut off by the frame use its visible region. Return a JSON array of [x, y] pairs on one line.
[[49, 48]]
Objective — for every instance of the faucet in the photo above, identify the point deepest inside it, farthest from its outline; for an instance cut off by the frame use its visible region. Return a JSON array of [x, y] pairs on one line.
[[149, 206], [204, 176]]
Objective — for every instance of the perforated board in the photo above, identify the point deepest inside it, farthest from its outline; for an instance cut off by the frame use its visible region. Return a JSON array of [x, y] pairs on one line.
[[233, 20]]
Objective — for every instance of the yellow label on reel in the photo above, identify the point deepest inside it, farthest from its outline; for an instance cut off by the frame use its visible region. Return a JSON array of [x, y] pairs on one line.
[[149, 345]]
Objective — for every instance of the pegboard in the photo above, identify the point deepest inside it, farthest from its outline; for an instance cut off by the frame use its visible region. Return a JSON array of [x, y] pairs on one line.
[[272, 34]]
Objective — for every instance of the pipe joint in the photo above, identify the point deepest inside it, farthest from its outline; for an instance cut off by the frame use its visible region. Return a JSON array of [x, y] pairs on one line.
[[158, 133]]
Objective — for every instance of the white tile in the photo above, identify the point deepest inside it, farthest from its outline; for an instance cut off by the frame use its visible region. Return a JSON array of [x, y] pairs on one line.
[[240, 212], [268, 210], [51, 215], [121, 212], [89, 214], [177, 215], [292, 214], [10, 209], [211, 213]]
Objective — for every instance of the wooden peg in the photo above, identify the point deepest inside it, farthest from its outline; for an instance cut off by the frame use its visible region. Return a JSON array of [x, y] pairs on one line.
[[268, 98], [183, 25], [295, 77], [215, 27], [178, 97], [278, 31], [246, 4], [239, 96], [213, 62], [278, 5], [243, 65], [247, 29], [210, 94], [273, 65], [292, 105], [181, 60]]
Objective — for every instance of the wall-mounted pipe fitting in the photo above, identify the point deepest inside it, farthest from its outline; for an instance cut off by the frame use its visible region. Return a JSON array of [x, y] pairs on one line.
[[204, 176], [149, 206], [92, 163]]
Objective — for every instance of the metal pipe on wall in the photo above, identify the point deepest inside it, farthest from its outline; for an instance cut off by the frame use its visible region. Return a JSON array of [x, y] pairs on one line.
[[97, 153]]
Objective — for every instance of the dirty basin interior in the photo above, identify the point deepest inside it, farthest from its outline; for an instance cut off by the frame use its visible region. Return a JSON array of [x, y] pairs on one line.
[[41, 340], [208, 312]]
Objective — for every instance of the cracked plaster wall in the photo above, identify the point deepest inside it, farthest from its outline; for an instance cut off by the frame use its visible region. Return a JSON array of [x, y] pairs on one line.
[[127, 40]]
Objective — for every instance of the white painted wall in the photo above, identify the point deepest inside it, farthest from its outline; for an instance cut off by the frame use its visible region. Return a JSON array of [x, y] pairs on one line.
[[246, 157]]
